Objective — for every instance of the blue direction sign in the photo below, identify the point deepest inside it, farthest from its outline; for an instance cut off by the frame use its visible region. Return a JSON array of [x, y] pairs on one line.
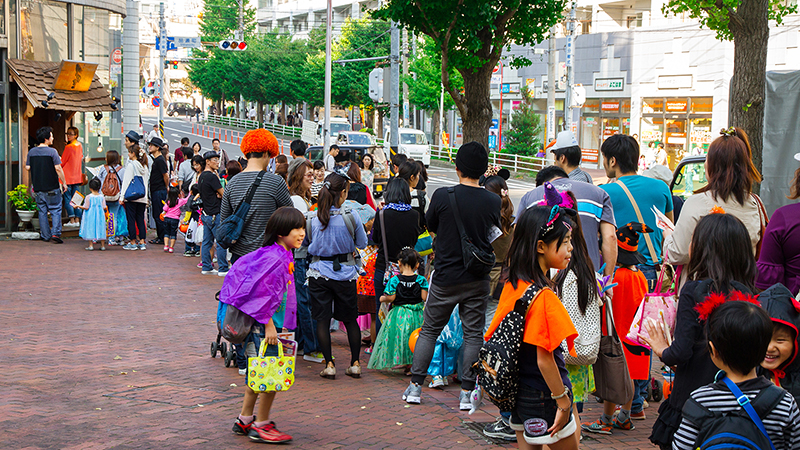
[[171, 45]]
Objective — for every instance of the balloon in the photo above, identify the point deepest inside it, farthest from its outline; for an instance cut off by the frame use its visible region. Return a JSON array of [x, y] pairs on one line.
[[412, 340]]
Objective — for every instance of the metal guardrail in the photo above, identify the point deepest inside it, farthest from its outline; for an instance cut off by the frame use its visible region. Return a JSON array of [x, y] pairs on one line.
[[510, 161]]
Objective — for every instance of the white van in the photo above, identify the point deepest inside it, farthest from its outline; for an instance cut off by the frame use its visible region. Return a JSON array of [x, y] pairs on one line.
[[412, 143], [337, 124]]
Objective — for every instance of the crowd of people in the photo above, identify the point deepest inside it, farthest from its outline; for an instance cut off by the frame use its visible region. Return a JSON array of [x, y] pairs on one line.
[[426, 307]]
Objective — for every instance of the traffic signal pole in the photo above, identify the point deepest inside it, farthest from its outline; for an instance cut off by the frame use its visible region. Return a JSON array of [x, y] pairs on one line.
[[162, 54]]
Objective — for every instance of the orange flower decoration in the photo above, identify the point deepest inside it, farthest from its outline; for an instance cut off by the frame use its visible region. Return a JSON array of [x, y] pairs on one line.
[[717, 210], [260, 140], [291, 267]]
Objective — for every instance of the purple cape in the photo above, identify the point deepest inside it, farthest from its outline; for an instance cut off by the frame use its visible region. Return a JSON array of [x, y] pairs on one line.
[[257, 282]]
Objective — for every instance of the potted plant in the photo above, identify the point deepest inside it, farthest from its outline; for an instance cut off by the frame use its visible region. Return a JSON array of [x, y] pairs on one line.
[[23, 202]]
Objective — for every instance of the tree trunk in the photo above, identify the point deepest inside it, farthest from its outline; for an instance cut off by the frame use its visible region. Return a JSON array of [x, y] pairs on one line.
[[476, 106], [748, 83]]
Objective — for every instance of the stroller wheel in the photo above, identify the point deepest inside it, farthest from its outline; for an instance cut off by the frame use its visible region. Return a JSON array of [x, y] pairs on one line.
[[656, 390], [229, 357], [223, 348], [214, 349]]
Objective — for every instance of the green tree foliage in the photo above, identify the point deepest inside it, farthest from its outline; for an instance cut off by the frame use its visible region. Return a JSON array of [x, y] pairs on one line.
[[746, 22], [363, 38], [425, 86], [470, 36], [525, 135], [220, 18]]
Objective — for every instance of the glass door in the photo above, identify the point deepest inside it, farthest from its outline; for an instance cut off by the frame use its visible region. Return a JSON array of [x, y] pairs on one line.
[[676, 140], [699, 136], [610, 127]]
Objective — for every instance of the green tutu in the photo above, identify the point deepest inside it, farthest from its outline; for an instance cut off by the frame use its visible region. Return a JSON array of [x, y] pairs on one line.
[[391, 347]]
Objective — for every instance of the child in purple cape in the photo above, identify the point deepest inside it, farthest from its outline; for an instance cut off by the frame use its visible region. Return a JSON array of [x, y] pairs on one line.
[[261, 284]]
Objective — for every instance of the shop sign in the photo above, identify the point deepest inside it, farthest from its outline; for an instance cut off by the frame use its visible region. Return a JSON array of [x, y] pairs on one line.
[[700, 135], [589, 155], [509, 88], [674, 81], [116, 56], [676, 138], [609, 84], [610, 106], [676, 106]]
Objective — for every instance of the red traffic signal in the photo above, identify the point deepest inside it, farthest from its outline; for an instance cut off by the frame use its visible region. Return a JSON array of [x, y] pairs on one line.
[[230, 44]]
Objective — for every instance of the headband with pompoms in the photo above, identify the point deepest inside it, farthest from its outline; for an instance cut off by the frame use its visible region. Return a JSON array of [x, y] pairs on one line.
[[558, 202], [715, 299]]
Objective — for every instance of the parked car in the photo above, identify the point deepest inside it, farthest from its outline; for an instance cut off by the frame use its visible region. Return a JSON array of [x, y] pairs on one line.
[[412, 143], [181, 109], [355, 138], [338, 125], [689, 176]]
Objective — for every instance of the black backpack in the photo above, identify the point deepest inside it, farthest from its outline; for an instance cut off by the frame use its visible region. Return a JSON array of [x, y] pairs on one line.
[[229, 230], [733, 429], [498, 374]]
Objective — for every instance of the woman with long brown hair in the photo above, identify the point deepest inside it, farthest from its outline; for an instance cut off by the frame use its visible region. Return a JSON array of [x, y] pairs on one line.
[[300, 185], [135, 209], [731, 176]]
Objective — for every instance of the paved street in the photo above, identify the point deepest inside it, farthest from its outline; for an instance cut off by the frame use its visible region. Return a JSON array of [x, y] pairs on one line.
[[110, 350]]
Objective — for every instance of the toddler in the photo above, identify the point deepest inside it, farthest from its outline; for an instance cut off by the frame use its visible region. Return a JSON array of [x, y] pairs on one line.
[[93, 225], [172, 213]]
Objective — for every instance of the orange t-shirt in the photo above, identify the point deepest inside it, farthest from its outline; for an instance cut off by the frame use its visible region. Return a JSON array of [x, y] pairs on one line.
[[628, 295], [547, 323], [71, 162]]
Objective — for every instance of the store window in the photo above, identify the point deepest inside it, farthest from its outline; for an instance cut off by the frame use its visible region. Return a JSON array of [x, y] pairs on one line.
[[2, 17], [652, 105], [592, 105], [700, 136], [702, 105], [43, 30], [625, 106]]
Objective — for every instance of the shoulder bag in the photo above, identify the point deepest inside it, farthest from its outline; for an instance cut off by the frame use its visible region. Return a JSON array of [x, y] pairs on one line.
[[135, 189], [587, 344], [763, 220], [477, 262], [230, 229], [611, 374], [660, 306]]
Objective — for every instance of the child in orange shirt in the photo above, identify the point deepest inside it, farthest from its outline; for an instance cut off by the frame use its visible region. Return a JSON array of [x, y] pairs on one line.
[[543, 411], [628, 295]]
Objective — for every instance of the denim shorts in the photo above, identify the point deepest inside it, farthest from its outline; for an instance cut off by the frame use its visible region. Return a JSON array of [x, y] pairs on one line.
[[535, 404], [171, 231]]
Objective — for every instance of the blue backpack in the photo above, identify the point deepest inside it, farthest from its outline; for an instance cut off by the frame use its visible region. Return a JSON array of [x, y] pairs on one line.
[[229, 230], [741, 429]]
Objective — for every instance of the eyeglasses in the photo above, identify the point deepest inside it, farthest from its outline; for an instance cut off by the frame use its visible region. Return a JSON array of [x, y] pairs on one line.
[[309, 175]]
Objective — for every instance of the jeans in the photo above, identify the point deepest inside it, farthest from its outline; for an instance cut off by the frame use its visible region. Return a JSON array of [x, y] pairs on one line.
[[306, 331], [211, 223], [255, 337], [49, 202], [639, 390], [71, 212], [156, 198], [651, 274], [471, 299]]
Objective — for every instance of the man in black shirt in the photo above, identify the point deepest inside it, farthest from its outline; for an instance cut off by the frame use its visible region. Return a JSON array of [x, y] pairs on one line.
[[47, 183], [159, 180], [452, 284], [211, 192]]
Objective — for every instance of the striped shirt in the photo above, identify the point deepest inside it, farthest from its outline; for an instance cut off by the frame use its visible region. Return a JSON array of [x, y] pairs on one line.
[[271, 195], [782, 423]]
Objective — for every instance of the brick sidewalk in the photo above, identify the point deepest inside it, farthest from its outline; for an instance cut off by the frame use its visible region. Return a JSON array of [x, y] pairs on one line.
[[111, 350]]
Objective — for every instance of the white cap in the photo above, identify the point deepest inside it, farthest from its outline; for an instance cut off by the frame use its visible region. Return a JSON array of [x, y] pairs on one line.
[[563, 140], [797, 156], [659, 172]]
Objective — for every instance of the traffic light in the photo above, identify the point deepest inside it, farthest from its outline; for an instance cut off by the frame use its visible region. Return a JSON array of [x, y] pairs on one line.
[[174, 64], [230, 44]]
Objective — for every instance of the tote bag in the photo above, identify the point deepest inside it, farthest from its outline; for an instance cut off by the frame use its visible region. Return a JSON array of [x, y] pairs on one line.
[[135, 190], [270, 373], [661, 307], [612, 378]]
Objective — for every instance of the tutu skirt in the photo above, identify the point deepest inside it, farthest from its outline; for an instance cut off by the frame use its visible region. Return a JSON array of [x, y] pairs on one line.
[[93, 222], [391, 347]]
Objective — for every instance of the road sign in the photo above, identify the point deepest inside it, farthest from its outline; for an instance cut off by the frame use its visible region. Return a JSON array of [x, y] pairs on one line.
[[156, 102], [116, 56], [170, 43], [188, 42]]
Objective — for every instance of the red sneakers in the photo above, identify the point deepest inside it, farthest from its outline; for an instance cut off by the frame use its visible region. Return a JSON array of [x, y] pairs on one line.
[[268, 434], [241, 428]]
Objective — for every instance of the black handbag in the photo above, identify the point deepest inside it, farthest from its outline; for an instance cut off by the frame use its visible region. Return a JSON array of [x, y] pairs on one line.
[[497, 369], [476, 261]]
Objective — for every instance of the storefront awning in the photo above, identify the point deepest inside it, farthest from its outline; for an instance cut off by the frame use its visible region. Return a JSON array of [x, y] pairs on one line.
[[36, 79]]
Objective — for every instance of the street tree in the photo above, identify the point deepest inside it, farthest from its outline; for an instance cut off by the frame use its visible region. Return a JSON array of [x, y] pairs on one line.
[[220, 18], [470, 36], [746, 23], [362, 38], [425, 85], [525, 135]]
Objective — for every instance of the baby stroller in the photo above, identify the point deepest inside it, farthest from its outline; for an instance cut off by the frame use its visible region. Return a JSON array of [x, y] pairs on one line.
[[219, 345]]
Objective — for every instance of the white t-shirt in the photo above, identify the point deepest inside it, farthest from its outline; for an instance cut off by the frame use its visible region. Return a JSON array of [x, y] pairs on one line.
[[330, 162], [300, 203]]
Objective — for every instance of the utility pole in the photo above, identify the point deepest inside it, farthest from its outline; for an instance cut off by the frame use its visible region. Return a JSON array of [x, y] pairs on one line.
[[162, 54], [568, 110], [441, 117], [130, 67], [406, 112], [551, 91], [240, 38], [394, 90], [326, 128]]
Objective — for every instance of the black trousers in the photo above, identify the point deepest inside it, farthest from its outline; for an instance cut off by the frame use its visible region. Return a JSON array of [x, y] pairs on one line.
[[135, 213]]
